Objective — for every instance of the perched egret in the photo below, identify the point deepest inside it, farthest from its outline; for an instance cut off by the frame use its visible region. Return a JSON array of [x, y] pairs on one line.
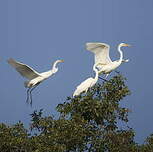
[[101, 51], [34, 78], [88, 83]]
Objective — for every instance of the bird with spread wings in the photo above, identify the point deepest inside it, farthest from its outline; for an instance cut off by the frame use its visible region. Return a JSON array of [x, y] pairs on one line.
[[101, 52], [34, 78]]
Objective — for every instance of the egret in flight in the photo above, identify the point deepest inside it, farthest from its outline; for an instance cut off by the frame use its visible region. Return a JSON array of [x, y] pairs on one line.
[[34, 78], [101, 51], [88, 83]]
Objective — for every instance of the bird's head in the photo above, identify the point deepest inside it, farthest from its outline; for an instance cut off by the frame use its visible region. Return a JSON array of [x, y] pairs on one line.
[[59, 61], [124, 44], [55, 68]]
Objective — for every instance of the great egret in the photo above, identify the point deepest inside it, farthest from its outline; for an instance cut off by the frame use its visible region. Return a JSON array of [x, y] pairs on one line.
[[88, 83], [34, 78], [101, 51]]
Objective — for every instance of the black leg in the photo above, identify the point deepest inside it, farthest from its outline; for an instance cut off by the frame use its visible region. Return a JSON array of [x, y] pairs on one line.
[[31, 98], [27, 100], [31, 93], [102, 79], [117, 72]]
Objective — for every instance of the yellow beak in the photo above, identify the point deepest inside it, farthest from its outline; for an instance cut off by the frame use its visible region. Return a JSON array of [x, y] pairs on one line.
[[62, 60], [128, 45]]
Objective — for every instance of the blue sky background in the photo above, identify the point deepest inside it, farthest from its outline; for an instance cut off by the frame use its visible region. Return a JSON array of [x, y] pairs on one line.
[[37, 32]]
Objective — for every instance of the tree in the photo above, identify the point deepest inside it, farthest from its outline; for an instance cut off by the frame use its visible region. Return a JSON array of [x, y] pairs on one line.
[[14, 138], [86, 123], [148, 145]]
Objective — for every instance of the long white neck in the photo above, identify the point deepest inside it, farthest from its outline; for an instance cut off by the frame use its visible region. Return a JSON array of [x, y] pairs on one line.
[[51, 71], [54, 65], [96, 71], [121, 53]]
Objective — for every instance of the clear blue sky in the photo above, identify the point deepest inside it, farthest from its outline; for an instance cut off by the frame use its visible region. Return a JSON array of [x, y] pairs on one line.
[[37, 32]]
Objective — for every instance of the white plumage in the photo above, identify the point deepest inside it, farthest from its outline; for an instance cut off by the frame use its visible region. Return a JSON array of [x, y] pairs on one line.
[[101, 51], [88, 83], [34, 78]]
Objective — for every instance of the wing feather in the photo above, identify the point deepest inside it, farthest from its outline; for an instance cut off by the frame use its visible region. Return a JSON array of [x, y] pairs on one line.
[[24, 69], [101, 51], [83, 86]]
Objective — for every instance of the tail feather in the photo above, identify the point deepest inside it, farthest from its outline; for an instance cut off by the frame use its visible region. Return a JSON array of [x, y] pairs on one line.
[[26, 84]]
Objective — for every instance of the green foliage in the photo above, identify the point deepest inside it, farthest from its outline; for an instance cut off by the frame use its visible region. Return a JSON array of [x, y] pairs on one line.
[[13, 138], [100, 105], [148, 145], [87, 123]]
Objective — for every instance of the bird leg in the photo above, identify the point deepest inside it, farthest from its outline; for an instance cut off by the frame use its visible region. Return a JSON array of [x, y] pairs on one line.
[[103, 79], [31, 96], [31, 93], [106, 75], [117, 72], [27, 101]]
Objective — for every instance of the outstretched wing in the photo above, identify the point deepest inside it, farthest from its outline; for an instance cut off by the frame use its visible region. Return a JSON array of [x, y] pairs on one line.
[[101, 51], [23, 69]]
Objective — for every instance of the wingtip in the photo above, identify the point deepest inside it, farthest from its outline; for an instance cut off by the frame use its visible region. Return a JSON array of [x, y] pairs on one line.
[[10, 60], [87, 46]]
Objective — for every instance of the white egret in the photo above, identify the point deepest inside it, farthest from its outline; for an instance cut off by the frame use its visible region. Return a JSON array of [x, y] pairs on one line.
[[88, 83], [34, 78], [101, 51]]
